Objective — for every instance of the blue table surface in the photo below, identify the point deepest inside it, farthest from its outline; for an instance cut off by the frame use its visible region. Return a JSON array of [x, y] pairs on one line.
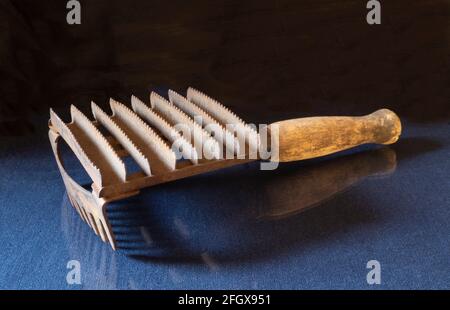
[[307, 225]]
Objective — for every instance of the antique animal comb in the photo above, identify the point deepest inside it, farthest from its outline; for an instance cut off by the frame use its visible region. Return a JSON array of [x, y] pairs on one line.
[[185, 136]]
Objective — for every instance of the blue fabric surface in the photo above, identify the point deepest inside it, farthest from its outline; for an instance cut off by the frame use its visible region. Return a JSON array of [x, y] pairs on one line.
[[239, 228]]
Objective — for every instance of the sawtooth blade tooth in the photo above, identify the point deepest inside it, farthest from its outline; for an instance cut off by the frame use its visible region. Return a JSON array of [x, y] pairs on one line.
[[189, 108], [142, 160], [215, 107], [188, 150], [212, 106], [163, 106], [222, 113], [69, 137], [193, 110], [90, 129], [159, 147]]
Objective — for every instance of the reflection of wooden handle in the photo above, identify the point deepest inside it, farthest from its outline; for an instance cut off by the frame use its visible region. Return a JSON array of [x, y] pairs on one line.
[[304, 138], [317, 183]]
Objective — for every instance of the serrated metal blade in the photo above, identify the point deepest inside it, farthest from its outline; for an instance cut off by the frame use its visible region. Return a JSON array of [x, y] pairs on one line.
[[201, 139], [66, 133], [104, 119], [226, 117], [161, 156], [179, 143], [212, 126], [111, 165]]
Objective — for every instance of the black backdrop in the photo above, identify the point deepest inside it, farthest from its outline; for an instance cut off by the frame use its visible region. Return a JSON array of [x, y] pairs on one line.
[[267, 60]]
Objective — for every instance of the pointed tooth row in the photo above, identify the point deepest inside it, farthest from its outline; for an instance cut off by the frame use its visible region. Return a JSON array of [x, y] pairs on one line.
[[145, 137], [231, 143], [105, 226], [187, 149], [215, 108], [225, 116], [92, 223], [87, 209], [115, 167], [175, 116], [71, 140], [101, 231], [122, 137]]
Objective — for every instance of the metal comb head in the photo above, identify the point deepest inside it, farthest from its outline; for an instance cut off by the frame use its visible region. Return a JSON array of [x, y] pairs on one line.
[[151, 136], [180, 137]]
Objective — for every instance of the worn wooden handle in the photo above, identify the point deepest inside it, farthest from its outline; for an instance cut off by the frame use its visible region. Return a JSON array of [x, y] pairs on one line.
[[304, 138]]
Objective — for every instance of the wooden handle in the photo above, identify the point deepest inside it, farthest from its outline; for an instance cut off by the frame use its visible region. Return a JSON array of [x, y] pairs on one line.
[[304, 138]]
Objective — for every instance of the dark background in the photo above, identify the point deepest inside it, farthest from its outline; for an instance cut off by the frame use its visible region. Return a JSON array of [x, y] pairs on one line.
[[238, 228], [267, 60]]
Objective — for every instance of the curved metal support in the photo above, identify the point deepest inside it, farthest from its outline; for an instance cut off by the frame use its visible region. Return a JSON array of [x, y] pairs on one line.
[[90, 207]]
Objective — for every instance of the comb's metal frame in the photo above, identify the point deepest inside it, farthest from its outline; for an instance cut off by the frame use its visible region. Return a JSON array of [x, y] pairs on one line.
[[101, 156]]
